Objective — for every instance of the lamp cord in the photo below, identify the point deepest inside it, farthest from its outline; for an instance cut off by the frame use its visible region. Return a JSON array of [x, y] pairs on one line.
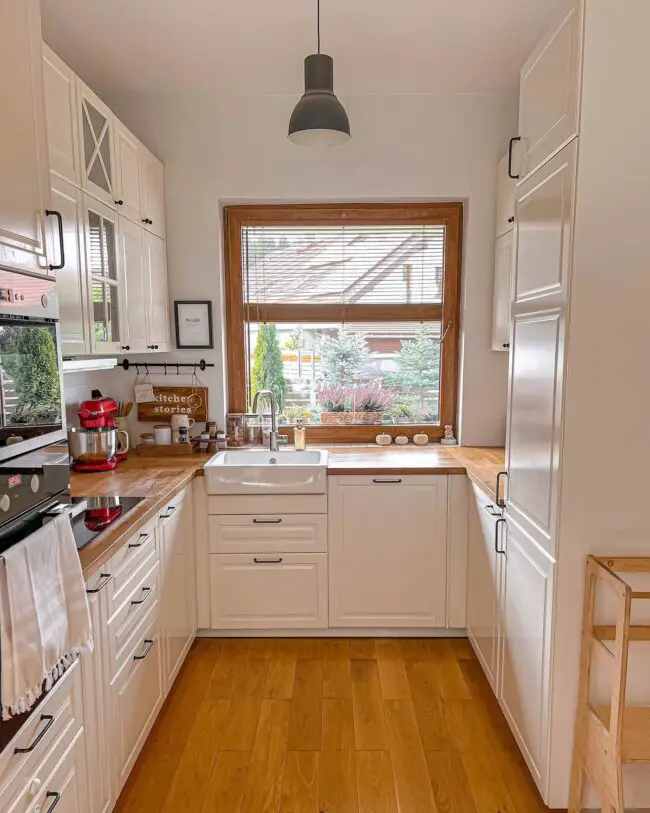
[[318, 22]]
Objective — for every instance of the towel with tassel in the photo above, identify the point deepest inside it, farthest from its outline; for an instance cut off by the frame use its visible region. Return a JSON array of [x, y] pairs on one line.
[[44, 614]]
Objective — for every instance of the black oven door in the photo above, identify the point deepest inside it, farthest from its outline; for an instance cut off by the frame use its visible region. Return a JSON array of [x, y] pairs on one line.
[[31, 404]]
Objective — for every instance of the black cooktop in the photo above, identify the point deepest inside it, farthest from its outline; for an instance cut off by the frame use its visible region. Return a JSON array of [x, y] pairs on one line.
[[90, 516]]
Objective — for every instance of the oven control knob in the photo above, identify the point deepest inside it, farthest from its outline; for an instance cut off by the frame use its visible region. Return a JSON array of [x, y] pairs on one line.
[[45, 300], [5, 503], [35, 484]]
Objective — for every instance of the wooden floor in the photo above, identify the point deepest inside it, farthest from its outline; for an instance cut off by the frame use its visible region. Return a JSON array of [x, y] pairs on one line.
[[331, 726]]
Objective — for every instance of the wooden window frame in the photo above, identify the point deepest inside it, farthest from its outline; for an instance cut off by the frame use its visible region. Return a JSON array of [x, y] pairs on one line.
[[449, 215]]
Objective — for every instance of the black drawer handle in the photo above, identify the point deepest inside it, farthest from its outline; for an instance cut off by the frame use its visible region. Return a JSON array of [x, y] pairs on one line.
[[513, 141], [492, 510], [149, 646], [52, 794], [268, 561], [59, 218], [496, 536], [147, 592], [143, 538], [267, 521], [50, 722], [172, 511], [101, 584], [387, 482]]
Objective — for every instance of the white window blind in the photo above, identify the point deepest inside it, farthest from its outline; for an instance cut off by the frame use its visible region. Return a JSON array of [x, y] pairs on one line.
[[343, 265]]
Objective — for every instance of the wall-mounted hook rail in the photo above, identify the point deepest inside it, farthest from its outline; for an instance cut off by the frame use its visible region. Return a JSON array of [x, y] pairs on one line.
[[195, 365]]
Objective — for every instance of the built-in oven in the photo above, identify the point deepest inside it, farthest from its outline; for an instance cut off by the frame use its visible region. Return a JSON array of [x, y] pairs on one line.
[[32, 413]]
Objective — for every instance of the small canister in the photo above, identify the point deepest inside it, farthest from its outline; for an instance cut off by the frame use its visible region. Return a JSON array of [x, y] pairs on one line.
[[211, 429], [205, 440], [162, 434]]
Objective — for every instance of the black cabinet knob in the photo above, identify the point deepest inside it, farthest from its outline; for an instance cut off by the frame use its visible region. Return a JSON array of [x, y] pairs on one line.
[[126, 347], [511, 219], [119, 203]]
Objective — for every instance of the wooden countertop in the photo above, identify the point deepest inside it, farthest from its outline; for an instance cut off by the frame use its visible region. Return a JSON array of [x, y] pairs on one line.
[[158, 480]]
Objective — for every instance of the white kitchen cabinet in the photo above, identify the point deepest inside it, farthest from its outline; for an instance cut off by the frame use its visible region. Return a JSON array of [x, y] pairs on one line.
[[484, 571], [543, 241], [152, 180], [128, 187], [176, 535], [97, 147], [526, 637], [105, 278], [503, 260], [65, 789], [549, 96], [132, 261], [23, 141], [95, 686], [387, 551], [268, 591], [71, 282], [136, 695], [62, 118], [505, 198], [156, 291]]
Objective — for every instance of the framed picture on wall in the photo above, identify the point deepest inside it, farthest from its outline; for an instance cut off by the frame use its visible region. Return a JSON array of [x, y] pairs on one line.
[[193, 325]]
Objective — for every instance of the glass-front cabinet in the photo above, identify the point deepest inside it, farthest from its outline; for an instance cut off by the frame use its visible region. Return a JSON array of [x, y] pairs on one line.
[[97, 140], [104, 277]]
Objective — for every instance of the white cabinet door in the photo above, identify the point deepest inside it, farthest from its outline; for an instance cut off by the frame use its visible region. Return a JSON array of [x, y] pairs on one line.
[[62, 119], [71, 282], [127, 174], [157, 294], [484, 581], [178, 583], [153, 192], [132, 262], [505, 198], [549, 96], [526, 610], [23, 140], [66, 790], [543, 246], [503, 260], [388, 551], [96, 719], [268, 591], [136, 697], [105, 277], [97, 137]]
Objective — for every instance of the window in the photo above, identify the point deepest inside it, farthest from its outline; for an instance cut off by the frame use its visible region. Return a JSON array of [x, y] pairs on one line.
[[348, 313]]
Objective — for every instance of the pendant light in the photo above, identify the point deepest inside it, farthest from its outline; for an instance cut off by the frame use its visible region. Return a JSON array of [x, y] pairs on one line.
[[319, 119]]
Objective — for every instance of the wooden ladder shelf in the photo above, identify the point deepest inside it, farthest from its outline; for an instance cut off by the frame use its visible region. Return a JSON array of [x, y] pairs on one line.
[[609, 736]]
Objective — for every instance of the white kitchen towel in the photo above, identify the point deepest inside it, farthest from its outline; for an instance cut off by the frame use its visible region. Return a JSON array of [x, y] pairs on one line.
[[44, 614]]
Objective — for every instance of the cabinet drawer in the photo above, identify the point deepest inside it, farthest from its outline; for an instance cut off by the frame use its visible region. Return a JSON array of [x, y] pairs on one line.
[[390, 480], [269, 591], [254, 504], [127, 561], [269, 533], [61, 782], [46, 733], [144, 594], [136, 695]]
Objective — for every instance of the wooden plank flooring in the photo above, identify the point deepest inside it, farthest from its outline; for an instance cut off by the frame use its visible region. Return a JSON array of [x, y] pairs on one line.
[[330, 726]]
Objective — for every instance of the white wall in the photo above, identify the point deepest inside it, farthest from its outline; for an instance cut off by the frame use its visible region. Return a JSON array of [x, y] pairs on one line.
[[234, 150]]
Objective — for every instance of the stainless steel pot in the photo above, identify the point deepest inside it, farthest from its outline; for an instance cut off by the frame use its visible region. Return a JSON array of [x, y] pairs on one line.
[[92, 445]]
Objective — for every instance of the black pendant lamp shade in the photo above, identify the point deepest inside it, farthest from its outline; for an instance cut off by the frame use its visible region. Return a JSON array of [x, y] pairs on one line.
[[319, 118]]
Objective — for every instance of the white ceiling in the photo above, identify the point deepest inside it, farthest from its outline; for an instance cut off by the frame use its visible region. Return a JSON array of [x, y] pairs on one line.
[[257, 46]]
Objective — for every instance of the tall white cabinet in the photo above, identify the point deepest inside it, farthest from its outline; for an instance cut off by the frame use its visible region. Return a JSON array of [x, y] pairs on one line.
[[113, 287], [23, 158], [579, 339]]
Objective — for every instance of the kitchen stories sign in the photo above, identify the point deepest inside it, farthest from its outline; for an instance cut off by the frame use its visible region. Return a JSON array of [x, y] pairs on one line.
[[190, 401]]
